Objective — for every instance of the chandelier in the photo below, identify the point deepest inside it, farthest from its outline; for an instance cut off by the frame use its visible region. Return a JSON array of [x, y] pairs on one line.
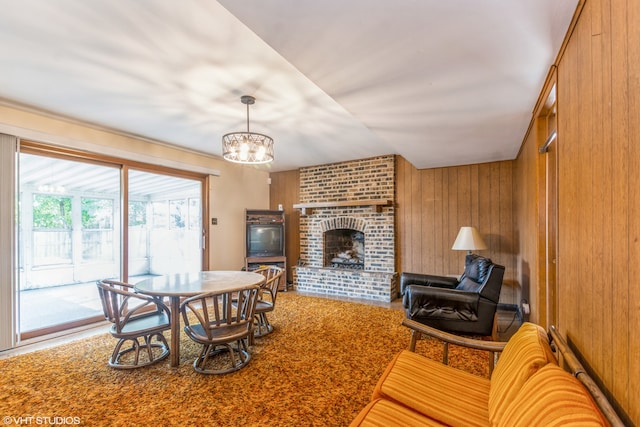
[[247, 147]]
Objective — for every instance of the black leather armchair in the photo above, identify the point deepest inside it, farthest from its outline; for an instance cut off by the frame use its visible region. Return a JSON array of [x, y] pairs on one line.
[[466, 306]]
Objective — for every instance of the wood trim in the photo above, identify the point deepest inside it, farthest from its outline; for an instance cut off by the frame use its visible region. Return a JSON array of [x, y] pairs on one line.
[[206, 223], [32, 147], [572, 26], [307, 208], [285, 190]]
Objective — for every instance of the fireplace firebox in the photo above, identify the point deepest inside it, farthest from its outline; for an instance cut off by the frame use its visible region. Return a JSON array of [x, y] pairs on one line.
[[344, 248]]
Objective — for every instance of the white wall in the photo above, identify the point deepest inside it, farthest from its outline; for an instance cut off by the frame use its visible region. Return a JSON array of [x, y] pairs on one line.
[[236, 189]]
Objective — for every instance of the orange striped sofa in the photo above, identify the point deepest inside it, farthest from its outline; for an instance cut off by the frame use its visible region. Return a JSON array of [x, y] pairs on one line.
[[526, 388]]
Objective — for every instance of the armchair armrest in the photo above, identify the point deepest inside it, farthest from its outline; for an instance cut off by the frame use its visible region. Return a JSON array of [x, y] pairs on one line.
[[454, 304], [407, 279], [418, 330]]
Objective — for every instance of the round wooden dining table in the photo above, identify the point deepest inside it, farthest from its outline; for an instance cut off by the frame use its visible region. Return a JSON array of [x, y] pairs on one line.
[[177, 286]]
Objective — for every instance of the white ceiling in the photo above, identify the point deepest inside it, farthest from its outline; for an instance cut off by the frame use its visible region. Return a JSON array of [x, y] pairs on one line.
[[439, 82]]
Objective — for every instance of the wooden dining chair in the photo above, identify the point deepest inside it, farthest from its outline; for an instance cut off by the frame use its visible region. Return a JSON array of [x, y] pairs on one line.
[[267, 298], [135, 317], [222, 327]]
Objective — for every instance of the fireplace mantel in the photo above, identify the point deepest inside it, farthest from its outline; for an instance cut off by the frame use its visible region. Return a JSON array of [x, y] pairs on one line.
[[378, 204]]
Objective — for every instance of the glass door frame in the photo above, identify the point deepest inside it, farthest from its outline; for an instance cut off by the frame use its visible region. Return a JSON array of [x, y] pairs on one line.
[[42, 149]]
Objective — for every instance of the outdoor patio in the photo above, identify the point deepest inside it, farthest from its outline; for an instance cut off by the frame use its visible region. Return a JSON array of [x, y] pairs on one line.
[[50, 306]]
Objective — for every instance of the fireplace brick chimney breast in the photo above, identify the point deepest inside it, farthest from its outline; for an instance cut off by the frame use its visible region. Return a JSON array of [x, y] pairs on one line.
[[367, 179]]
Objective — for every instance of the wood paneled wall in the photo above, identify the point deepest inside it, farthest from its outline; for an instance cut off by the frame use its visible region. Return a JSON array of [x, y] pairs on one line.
[[285, 191], [598, 266], [528, 228], [434, 203]]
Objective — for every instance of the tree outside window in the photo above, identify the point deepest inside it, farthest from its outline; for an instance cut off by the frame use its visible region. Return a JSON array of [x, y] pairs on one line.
[[52, 224], [137, 213], [97, 229], [97, 214], [51, 212]]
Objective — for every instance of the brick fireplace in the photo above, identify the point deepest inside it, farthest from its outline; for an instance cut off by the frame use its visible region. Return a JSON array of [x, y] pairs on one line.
[[348, 219]]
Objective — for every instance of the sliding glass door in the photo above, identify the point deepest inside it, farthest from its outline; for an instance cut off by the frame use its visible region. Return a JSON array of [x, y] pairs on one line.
[[68, 237], [165, 225], [72, 232]]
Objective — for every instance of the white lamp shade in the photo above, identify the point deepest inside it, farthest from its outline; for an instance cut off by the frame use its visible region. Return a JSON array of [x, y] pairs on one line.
[[469, 240]]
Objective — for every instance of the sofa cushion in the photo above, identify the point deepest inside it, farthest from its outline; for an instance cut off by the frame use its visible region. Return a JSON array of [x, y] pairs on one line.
[[526, 352], [385, 413], [445, 394], [552, 397]]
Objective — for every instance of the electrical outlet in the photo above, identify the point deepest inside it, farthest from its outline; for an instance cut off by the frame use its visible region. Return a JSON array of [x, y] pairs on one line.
[[524, 307]]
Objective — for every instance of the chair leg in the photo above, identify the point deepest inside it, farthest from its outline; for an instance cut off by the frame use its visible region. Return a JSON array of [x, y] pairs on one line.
[[114, 362], [494, 329], [251, 338], [266, 324], [445, 353], [415, 335], [147, 342], [493, 358], [116, 353], [257, 323], [263, 327], [237, 361], [136, 347]]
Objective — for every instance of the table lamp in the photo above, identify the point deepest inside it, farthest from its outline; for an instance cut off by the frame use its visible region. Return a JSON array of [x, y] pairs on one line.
[[469, 239]]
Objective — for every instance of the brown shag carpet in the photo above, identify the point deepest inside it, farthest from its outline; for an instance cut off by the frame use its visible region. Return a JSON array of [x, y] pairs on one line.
[[318, 368]]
